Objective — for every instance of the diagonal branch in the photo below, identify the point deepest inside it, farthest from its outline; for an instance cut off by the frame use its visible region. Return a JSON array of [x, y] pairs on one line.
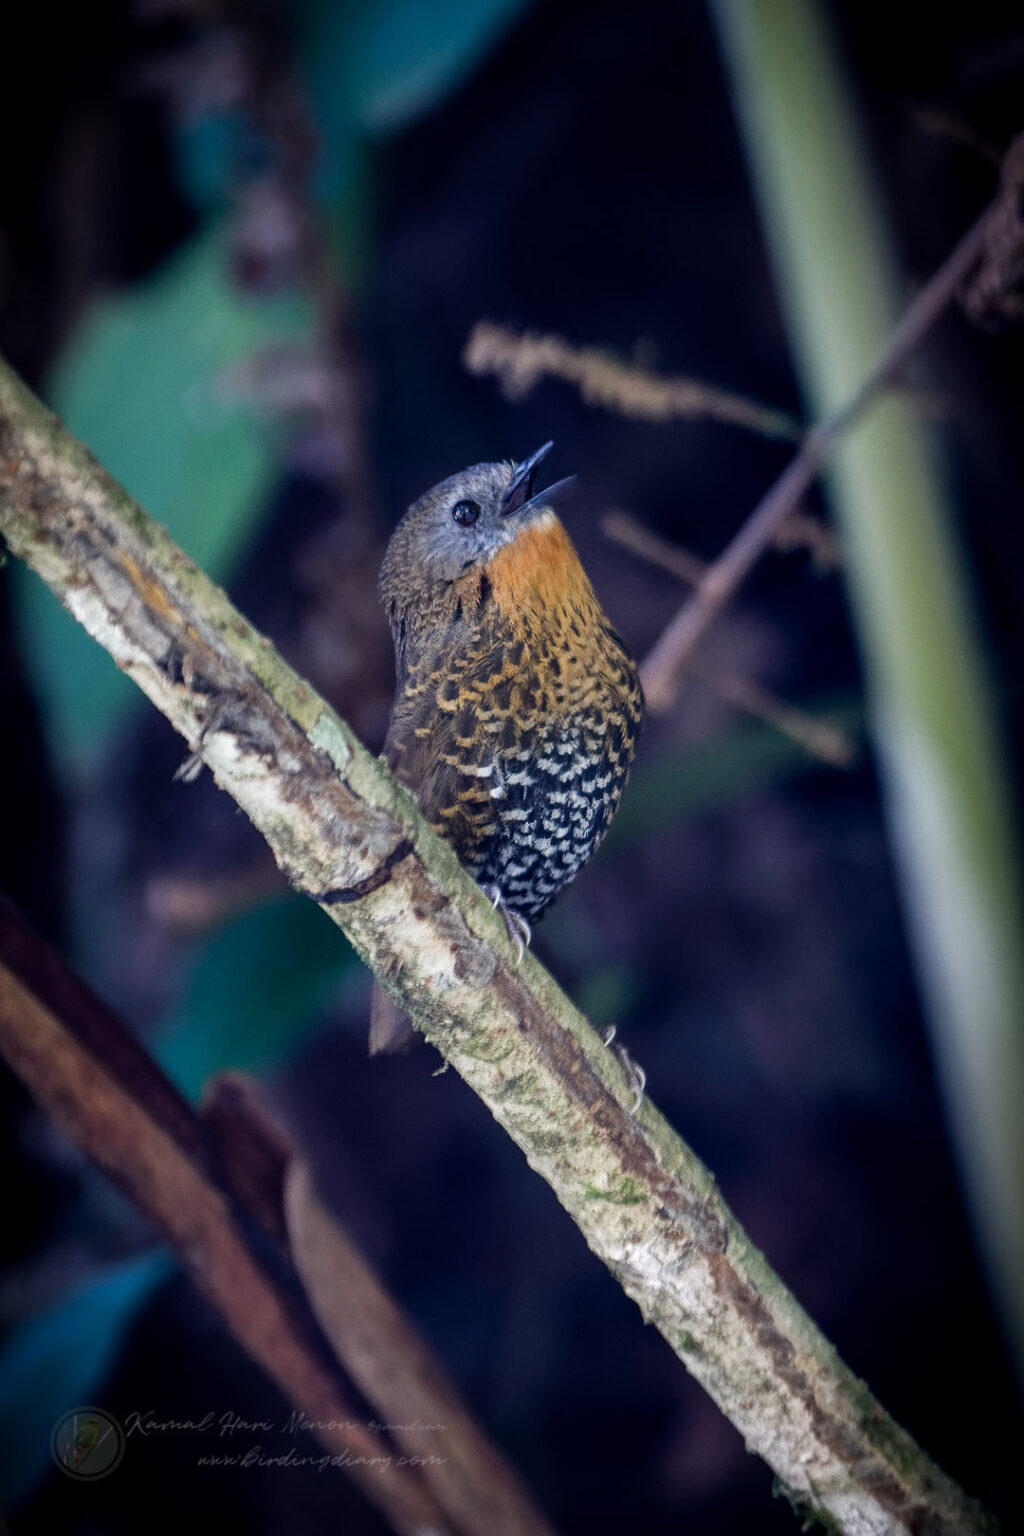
[[345, 833]]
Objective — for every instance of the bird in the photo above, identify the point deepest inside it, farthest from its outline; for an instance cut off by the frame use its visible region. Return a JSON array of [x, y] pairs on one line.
[[517, 706]]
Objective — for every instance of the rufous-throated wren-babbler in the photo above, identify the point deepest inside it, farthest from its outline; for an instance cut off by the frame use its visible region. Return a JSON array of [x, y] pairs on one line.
[[517, 706]]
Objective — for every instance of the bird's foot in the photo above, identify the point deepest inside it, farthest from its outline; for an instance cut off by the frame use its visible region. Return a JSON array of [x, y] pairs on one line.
[[636, 1077], [516, 926]]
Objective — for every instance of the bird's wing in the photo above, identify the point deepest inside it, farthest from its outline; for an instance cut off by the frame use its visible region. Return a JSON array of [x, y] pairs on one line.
[[460, 710], [454, 713]]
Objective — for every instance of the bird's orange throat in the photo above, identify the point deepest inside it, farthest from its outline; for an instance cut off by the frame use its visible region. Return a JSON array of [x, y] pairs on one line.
[[538, 575]]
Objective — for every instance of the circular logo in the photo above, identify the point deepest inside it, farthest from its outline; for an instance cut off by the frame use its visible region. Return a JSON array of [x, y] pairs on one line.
[[87, 1444]]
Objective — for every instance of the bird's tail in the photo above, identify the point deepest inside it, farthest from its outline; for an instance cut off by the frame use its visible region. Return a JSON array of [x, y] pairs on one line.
[[390, 1029]]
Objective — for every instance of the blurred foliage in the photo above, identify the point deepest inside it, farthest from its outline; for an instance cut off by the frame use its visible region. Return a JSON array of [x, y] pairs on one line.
[[146, 382], [209, 149], [375, 65], [253, 991], [55, 1361]]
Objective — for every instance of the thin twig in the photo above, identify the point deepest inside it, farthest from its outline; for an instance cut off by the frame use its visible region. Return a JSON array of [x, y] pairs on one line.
[[994, 295], [802, 531], [666, 659], [947, 125], [815, 736], [799, 531], [519, 361], [650, 546]]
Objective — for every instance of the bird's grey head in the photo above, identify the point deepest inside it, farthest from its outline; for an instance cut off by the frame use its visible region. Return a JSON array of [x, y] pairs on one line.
[[462, 523]]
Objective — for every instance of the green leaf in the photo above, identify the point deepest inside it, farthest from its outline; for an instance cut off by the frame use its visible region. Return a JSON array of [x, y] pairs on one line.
[[256, 989], [374, 66], [207, 155], [145, 383], [60, 1357], [408, 55]]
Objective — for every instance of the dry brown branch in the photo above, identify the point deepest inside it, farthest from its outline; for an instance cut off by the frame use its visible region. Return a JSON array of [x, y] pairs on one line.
[[520, 361], [650, 546], [819, 738], [115, 1104], [343, 831], [802, 531], [994, 295], [949, 125], [799, 531], [718, 586]]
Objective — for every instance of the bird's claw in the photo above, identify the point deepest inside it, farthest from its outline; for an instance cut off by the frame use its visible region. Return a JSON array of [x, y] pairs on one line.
[[636, 1077], [516, 926]]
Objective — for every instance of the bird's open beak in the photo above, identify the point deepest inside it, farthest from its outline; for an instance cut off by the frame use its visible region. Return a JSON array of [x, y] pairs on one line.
[[521, 489]]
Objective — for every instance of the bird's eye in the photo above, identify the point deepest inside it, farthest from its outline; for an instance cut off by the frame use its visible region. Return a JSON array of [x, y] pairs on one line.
[[465, 513]]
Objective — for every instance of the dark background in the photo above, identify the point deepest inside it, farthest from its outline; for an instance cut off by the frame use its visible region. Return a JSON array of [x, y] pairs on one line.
[[583, 175]]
